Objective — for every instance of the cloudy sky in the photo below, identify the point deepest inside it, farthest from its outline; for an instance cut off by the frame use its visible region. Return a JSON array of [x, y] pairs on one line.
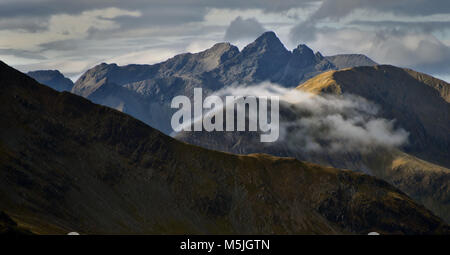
[[73, 35]]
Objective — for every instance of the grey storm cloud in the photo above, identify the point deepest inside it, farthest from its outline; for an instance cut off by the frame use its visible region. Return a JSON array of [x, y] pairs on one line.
[[22, 53], [341, 8], [11, 8], [34, 15], [154, 12], [243, 28], [169, 12], [407, 42], [386, 45], [28, 24], [304, 32], [327, 123], [335, 10], [329, 8], [162, 13], [424, 27]]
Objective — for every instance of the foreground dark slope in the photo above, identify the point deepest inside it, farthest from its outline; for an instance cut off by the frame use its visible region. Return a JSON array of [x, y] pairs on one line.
[[67, 164], [9, 227], [426, 183]]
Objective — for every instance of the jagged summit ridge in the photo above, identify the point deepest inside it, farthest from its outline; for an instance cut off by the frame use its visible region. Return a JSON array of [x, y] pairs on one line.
[[268, 41], [222, 65]]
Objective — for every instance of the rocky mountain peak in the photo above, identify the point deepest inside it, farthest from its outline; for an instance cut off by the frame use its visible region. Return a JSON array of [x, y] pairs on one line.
[[303, 50], [222, 47], [267, 42], [220, 52], [319, 56], [268, 36], [302, 56], [93, 79], [104, 66]]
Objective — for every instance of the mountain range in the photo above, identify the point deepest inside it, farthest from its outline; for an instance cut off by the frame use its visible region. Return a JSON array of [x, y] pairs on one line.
[[150, 88], [68, 161], [68, 164]]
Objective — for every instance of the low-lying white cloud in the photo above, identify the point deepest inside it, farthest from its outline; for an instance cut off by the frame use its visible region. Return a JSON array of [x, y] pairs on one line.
[[327, 123]]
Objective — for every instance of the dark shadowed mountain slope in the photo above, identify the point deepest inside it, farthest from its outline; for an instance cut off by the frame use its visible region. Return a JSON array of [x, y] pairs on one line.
[[67, 164], [266, 59], [52, 78], [418, 102], [8, 227], [426, 183], [441, 86], [342, 61], [128, 101]]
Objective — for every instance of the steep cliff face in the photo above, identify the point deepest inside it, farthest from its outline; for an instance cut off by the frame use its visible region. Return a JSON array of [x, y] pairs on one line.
[[67, 164]]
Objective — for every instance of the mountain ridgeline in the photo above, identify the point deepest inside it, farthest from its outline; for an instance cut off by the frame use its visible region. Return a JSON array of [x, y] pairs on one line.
[[150, 88], [342, 61], [68, 164]]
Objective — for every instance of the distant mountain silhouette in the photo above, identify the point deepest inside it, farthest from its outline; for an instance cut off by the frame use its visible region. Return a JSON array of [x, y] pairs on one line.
[[342, 61], [52, 78]]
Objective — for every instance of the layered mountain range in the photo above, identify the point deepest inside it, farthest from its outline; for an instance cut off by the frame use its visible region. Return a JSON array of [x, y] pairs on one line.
[[72, 163], [68, 164], [150, 88]]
